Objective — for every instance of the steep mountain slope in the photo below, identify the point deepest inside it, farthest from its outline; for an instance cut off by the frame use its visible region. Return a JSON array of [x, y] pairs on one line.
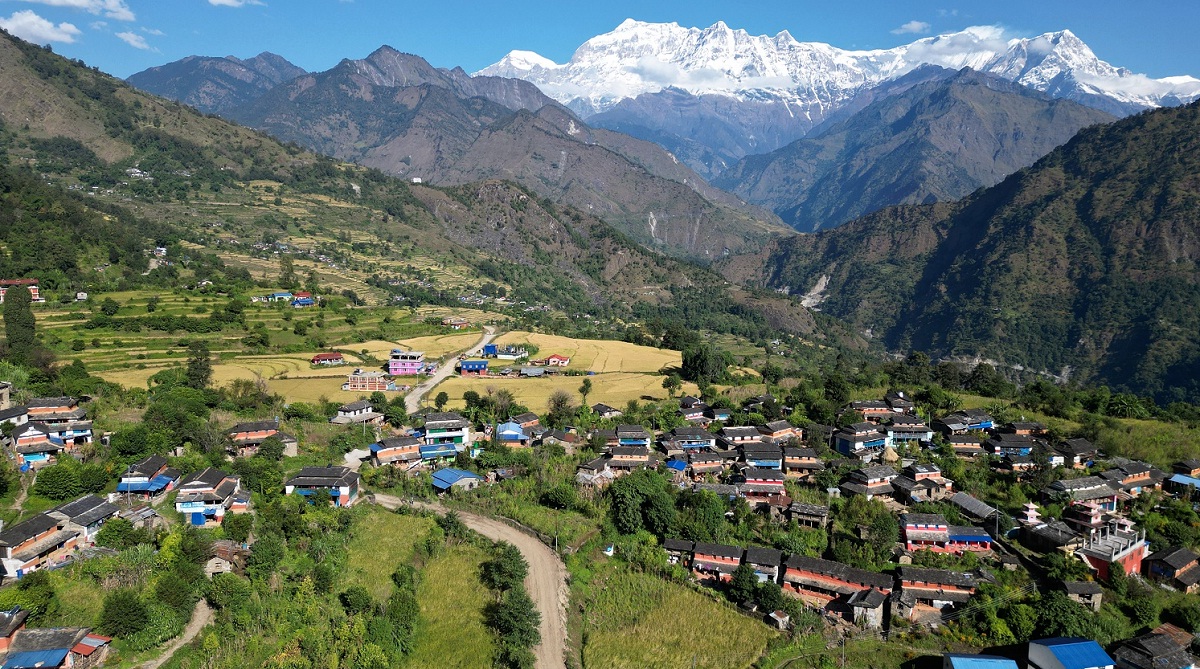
[[1084, 265], [94, 174], [734, 93], [939, 136], [395, 112], [214, 85]]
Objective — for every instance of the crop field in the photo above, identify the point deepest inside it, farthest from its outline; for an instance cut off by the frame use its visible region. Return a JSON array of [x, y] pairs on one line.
[[614, 388], [440, 345], [597, 355], [451, 630], [633, 620]]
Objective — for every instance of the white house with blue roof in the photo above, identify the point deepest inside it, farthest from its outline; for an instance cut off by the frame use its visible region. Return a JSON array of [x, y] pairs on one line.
[[1068, 653], [962, 661], [446, 479]]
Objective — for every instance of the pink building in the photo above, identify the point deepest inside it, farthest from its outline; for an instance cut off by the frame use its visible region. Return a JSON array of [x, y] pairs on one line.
[[406, 363]]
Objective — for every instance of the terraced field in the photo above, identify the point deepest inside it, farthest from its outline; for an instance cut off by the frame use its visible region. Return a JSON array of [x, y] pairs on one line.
[[614, 388], [596, 355]]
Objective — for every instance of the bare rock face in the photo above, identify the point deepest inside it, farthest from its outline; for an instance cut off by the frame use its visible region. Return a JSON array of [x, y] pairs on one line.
[[215, 85]]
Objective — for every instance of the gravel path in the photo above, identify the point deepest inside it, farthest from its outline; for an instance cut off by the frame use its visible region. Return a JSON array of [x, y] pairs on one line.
[[201, 616], [412, 402]]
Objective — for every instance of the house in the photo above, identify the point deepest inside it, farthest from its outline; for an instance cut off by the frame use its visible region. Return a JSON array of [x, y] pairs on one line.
[[360, 381], [1153, 651], [405, 363], [822, 582], [357, 413], [1087, 518], [143, 516], [55, 647], [281, 296], [693, 410], [921, 531], [303, 300], [605, 411], [801, 463], [689, 439], [473, 367], [1089, 489], [30, 284], [733, 437], [532, 372], [85, 515], [779, 620], [527, 419], [35, 543], [624, 459], [715, 561], [873, 411], [763, 481], [956, 661], [512, 433], [767, 563], [780, 431], [1077, 453], [702, 463], [209, 494], [808, 515], [594, 474], [1029, 428], [762, 455], [870, 481], [1182, 485], [1088, 593], [718, 413], [633, 435], [965, 421], [1117, 545], [1004, 443], [1135, 477], [922, 483], [341, 483], [11, 622], [861, 440], [561, 438], [328, 359], [932, 591], [455, 323], [906, 430], [972, 507], [1052, 535], [967, 445], [447, 429], [17, 416], [1068, 653], [899, 403], [867, 607], [1177, 567], [226, 557], [404, 451], [556, 360], [35, 445], [247, 437], [679, 551], [450, 478], [1189, 468]]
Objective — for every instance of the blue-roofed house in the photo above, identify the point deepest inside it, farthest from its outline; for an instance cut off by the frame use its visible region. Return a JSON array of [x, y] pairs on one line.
[[1068, 653], [1180, 484], [50, 647], [960, 661], [148, 477], [282, 296], [473, 367], [512, 434], [448, 478]]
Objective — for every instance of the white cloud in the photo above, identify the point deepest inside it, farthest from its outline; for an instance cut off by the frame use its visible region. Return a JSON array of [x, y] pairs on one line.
[[233, 3], [947, 12], [27, 25], [114, 9], [153, 31], [912, 28], [98, 25], [134, 40]]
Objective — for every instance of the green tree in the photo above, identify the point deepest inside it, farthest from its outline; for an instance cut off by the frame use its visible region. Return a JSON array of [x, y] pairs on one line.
[[743, 584], [440, 400], [20, 327], [672, 383], [506, 570], [237, 526], [58, 482], [199, 365], [703, 363], [287, 272], [516, 619], [109, 307], [356, 599], [271, 449], [123, 614], [585, 389], [119, 534]]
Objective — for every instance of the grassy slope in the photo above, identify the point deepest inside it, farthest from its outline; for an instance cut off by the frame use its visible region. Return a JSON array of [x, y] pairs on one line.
[[382, 541], [451, 632]]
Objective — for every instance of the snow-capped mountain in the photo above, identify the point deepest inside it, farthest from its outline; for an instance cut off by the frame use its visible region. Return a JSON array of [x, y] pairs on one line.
[[790, 87]]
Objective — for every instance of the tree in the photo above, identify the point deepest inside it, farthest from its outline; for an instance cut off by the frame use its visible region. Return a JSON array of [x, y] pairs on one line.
[[356, 599], [20, 327], [237, 526], [702, 362], [58, 482], [585, 389], [440, 400], [119, 534], [124, 614], [558, 408], [507, 568], [199, 365], [271, 449], [516, 619], [287, 272], [672, 384], [109, 307], [743, 584]]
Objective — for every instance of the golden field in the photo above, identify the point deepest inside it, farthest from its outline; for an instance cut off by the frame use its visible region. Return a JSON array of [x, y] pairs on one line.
[[613, 388], [597, 355]]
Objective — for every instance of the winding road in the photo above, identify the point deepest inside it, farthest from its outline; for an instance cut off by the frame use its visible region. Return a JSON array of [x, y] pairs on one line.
[[412, 402], [546, 582]]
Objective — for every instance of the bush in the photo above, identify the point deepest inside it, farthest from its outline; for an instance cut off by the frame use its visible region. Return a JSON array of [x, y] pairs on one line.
[[124, 614], [356, 599], [58, 482]]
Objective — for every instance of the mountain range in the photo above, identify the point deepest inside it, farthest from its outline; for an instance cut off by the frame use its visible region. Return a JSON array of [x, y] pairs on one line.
[[1083, 265], [715, 95], [932, 135], [213, 85]]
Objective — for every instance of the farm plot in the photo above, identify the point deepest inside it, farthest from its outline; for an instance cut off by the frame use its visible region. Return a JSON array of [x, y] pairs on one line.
[[597, 355], [615, 388]]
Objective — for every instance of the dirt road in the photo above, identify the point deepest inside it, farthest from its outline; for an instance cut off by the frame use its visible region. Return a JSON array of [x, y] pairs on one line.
[[201, 616], [412, 402], [546, 582]]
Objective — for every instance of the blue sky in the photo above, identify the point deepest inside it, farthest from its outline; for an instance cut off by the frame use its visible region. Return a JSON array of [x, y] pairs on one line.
[[1158, 38]]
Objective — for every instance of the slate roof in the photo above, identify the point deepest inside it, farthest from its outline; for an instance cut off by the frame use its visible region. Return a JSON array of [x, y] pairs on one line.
[[809, 509], [355, 406], [936, 577], [972, 506], [682, 545], [24, 531], [50, 402], [403, 441], [867, 599], [147, 466], [764, 556], [11, 620], [209, 476], [923, 519], [874, 472], [87, 510], [323, 477], [1176, 557], [1082, 588], [46, 638], [719, 550], [445, 421], [1153, 651], [840, 571], [256, 426]]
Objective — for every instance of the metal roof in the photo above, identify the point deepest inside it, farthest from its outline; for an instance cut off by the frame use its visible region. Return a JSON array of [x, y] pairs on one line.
[[36, 659], [1076, 653], [957, 661]]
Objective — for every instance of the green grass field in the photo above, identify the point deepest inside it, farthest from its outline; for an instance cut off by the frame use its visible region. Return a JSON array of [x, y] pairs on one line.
[[382, 541], [635, 620], [451, 631]]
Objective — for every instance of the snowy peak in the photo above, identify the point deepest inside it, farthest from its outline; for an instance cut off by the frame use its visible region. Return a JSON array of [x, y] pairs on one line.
[[638, 58]]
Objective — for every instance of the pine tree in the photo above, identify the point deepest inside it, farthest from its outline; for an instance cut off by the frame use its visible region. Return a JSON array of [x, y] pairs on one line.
[[199, 366], [19, 325]]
